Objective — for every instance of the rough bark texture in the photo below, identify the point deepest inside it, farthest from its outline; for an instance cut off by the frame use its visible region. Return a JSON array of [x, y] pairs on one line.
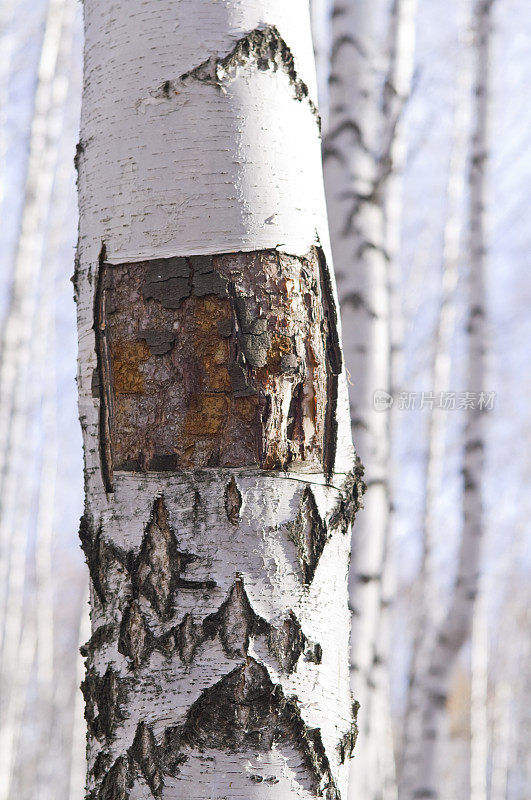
[[221, 480]]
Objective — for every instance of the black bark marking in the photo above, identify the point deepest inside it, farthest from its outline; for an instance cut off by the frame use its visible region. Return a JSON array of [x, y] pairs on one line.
[[135, 640], [347, 743], [99, 555], [245, 710], [288, 643], [188, 637], [233, 501], [101, 636], [157, 571], [117, 782], [234, 622], [144, 752], [349, 501], [310, 534], [104, 696], [334, 364], [263, 47], [104, 372]]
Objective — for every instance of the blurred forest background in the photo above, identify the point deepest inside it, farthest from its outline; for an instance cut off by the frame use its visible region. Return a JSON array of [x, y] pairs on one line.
[[425, 121]]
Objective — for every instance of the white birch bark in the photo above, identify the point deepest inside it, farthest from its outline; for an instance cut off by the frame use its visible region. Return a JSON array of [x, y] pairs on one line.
[[351, 161], [361, 156], [456, 625], [218, 662]]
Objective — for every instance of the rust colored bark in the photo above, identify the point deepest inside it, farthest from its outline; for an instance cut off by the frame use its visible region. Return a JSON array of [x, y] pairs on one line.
[[216, 361]]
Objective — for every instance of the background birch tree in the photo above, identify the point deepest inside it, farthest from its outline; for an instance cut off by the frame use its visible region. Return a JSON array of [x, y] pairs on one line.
[[368, 87], [421, 763], [220, 475]]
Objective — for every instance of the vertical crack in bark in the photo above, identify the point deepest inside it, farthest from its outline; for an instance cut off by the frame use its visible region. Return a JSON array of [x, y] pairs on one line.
[[310, 534], [334, 363], [104, 375]]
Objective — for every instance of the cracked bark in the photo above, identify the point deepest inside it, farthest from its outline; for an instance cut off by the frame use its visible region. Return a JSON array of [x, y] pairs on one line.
[[221, 480]]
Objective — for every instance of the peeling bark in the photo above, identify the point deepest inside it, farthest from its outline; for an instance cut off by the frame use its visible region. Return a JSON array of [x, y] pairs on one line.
[[263, 48]]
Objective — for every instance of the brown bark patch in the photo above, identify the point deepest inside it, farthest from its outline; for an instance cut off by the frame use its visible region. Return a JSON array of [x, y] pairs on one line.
[[217, 361]]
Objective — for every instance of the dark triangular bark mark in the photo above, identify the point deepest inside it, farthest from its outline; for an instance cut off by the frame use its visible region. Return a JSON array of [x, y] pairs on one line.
[[157, 572], [309, 534], [104, 696]]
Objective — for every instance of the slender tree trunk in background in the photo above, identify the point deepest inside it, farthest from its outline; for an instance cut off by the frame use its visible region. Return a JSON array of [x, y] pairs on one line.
[[19, 394], [220, 475], [351, 161], [361, 155], [456, 626], [425, 618], [479, 734]]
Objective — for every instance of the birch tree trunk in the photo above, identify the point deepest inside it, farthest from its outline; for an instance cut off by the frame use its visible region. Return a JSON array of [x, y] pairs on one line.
[[360, 155], [220, 475], [455, 628], [357, 231], [426, 605]]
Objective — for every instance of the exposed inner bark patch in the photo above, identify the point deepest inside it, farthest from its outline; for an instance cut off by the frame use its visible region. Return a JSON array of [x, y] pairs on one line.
[[217, 361], [310, 534], [264, 48], [233, 501]]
